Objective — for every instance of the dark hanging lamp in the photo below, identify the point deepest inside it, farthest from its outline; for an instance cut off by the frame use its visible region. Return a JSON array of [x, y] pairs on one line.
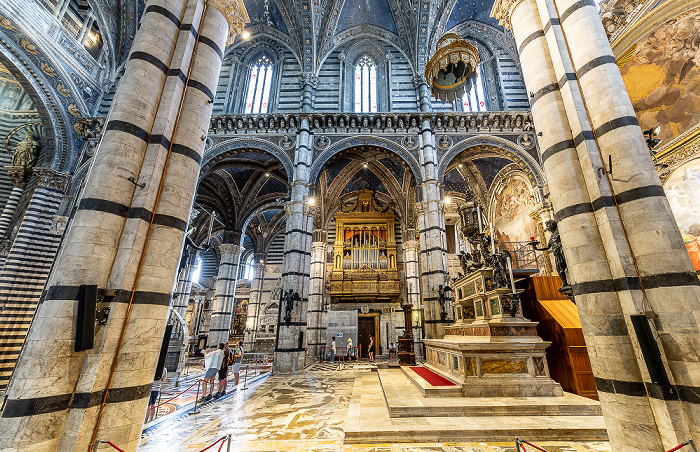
[[449, 69]]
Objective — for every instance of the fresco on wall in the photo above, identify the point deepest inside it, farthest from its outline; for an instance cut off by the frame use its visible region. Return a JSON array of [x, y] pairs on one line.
[[662, 76], [683, 193], [511, 213]]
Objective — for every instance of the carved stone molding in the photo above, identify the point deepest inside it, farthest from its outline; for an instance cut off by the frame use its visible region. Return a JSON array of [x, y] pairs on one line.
[[51, 179], [229, 248], [502, 10], [236, 15], [19, 175]]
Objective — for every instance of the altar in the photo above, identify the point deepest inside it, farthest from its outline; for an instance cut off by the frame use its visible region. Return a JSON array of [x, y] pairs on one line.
[[491, 350]]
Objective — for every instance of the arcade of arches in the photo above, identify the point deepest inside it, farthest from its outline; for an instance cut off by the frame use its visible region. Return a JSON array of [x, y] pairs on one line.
[[405, 273]]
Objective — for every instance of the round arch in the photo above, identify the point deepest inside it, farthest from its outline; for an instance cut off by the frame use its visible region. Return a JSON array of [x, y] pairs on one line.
[[498, 147], [361, 141], [213, 153], [273, 205]]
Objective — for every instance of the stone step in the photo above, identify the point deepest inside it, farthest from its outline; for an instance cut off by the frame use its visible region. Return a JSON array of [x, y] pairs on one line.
[[428, 390], [369, 421], [403, 399], [478, 429]]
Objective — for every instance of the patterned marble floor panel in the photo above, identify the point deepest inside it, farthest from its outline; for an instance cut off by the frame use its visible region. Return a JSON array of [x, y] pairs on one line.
[[298, 413]]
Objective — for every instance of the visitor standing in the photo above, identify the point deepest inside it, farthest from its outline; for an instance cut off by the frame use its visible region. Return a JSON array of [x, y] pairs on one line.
[[223, 371], [237, 359], [370, 349], [333, 350], [212, 363], [349, 348], [392, 350], [155, 392]]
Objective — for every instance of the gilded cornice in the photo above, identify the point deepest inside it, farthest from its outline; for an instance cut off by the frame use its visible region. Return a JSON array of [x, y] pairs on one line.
[[502, 10], [236, 15], [678, 151]]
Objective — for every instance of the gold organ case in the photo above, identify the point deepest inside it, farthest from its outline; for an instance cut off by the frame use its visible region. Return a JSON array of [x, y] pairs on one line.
[[364, 253]]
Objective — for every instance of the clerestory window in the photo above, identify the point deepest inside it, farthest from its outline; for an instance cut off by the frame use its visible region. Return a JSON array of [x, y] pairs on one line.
[[365, 85], [473, 99], [258, 96]]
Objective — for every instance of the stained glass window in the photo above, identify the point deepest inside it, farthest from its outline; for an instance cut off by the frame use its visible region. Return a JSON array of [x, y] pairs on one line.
[[474, 99], [365, 85], [258, 96]]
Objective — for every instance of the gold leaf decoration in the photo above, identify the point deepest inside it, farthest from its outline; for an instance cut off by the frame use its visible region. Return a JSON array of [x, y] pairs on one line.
[[73, 110], [29, 47], [62, 90], [48, 70]]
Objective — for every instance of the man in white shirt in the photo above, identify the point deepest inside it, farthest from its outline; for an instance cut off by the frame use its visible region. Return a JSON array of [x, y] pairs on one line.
[[349, 348], [212, 364]]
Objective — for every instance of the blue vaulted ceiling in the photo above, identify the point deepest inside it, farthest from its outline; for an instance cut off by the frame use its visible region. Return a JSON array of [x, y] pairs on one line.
[[265, 12], [472, 10], [361, 12]]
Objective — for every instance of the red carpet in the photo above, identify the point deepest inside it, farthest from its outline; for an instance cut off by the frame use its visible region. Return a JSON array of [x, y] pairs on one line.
[[431, 377]]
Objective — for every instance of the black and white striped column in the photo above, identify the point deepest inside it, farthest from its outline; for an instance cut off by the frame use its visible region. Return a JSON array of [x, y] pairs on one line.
[[618, 233], [315, 328], [254, 304], [18, 183], [125, 237], [222, 311], [290, 340], [431, 231], [28, 264]]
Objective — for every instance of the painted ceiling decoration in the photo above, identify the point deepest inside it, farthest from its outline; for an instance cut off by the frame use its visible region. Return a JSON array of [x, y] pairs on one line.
[[316, 26]]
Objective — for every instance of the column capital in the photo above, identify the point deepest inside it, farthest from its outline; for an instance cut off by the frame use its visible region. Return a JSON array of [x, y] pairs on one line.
[[308, 79], [229, 248], [420, 207], [18, 175], [236, 15], [411, 245], [502, 10]]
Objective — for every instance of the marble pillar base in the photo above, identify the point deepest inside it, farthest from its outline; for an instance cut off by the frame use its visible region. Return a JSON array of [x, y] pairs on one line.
[[500, 360]]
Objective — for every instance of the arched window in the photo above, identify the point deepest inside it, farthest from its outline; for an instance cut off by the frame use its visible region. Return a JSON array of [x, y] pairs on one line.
[[474, 98], [249, 269], [365, 85], [258, 96]]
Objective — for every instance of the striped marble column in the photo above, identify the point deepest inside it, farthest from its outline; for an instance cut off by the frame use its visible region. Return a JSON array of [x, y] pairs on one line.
[[431, 230], [18, 183], [254, 304], [316, 330], [623, 248], [411, 249], [308, 82], [289, 343], [124, 237], [28, 264], [229, 258], [183, 287]]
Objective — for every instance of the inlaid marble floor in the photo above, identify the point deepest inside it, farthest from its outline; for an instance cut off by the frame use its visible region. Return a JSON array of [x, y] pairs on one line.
[[299, 413]]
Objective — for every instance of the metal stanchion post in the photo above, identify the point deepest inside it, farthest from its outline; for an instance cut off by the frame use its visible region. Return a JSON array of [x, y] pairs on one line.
[[245, 378], [228, 444], [160, 394], [196, 400], [517, 444], [692, 445]]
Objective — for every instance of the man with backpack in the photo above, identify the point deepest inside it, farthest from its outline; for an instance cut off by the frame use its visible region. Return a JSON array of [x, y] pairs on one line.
[[223, 371], [237, 358]]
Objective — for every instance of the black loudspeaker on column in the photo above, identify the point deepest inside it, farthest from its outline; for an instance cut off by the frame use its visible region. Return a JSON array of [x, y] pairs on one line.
[[163, 352], [650, 349], [85, 327]]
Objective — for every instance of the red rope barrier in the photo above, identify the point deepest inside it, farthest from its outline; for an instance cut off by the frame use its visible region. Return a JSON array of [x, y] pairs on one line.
[[532, 445], [223, 438], [112, 444], [175, 397], [680, 446]]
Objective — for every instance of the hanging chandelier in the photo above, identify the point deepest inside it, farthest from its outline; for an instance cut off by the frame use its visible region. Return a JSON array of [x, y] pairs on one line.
[[449, 69]]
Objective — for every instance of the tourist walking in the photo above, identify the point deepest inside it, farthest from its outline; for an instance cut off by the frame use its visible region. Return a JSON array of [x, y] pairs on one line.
[[333, 350], [212, 363], [155, 392], [223, 371], [236, 368], [370, 349]]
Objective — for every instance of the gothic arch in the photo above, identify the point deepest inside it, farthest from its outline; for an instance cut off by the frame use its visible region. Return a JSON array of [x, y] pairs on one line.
[[498, 147], [364, 140], [366, 32], [253, 144]]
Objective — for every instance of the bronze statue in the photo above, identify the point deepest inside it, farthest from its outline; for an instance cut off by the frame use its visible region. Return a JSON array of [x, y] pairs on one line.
[[24, 154], [500, 269], [468, 262], [557, 251], [442, 298], [289, 298]]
